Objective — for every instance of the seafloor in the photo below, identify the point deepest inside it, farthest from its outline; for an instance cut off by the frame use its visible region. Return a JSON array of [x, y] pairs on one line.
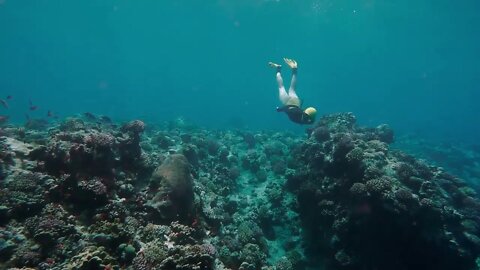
[[87, 193]]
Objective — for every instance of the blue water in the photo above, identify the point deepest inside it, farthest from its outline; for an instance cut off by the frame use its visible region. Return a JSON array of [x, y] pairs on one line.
[[411, 64]]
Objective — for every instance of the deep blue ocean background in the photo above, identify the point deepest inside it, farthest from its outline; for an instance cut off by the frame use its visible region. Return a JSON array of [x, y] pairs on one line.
[[411, 64]]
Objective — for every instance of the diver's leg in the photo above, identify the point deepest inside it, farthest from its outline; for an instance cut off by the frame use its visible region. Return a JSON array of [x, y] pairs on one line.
[[282, 93], [293, 83]]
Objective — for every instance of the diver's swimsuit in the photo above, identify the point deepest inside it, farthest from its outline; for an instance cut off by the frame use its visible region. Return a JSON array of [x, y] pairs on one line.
[[296, 114]]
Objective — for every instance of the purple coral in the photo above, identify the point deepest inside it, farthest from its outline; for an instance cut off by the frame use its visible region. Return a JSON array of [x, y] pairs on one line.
[[321, 134], [135, 127], [359, 190], [378, 185], [100, 140], [209, 249]]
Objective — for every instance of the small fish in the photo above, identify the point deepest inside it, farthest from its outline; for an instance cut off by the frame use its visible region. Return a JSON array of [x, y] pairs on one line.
[[32, 107], [4, 119], [9, 97], [4, 103], [51, 114]]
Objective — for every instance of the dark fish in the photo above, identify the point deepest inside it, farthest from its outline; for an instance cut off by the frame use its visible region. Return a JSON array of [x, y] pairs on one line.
[[3, 119], [32, 107], [4, 103], [52, 115], [9, 97], [89, 116]]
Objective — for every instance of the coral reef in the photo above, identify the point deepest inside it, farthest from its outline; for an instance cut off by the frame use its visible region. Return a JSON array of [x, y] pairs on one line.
[[88, 193], [364, 206], [459, 158]]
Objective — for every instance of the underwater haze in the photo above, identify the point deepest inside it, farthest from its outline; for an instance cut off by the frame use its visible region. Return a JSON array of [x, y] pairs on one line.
[[147, 134], [411, 64]]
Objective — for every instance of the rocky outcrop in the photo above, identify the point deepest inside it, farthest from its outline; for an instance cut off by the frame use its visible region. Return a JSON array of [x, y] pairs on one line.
[[172, 186]]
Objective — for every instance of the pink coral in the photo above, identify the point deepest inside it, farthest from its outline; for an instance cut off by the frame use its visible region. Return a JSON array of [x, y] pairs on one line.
[[100, 140], [135, 126]]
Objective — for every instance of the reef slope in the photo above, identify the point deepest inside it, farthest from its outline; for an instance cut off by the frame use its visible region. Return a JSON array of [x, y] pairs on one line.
[[86, 193]]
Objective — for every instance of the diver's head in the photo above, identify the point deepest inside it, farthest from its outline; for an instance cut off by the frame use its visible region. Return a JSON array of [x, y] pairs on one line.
[[311, 112]]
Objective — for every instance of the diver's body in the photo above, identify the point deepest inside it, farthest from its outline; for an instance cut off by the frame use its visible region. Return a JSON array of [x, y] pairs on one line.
[[291, 102], [296, 114]]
